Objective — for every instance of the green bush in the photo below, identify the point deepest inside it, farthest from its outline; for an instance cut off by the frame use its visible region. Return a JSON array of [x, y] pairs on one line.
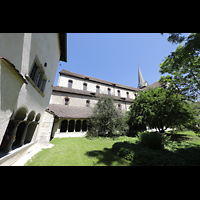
[[142, 156], [151, 140], [106, 119]]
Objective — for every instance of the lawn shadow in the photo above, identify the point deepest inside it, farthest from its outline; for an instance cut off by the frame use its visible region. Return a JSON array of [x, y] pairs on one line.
[[106, 157], [143, 156], [177, 137]]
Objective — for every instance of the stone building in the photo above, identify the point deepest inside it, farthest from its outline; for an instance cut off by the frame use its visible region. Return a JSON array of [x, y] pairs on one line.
[[74, 96], [28, 65]]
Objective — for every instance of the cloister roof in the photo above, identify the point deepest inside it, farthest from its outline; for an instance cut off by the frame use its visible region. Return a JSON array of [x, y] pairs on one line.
[[72, 112]]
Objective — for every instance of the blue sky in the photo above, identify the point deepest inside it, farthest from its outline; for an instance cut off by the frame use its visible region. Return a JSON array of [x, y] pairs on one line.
[[114, 56]]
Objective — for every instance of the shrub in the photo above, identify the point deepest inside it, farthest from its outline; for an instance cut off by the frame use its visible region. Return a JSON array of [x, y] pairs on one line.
[[142, 156], [151, 140], [106, 119]]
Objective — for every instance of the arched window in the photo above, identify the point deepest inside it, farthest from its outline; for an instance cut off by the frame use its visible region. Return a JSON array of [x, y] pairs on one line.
[[127, 93], [66, 101], [118, 93], [88, 103], [119, 106], [70, 82], [85, 86], [109, 91], [97, 89]]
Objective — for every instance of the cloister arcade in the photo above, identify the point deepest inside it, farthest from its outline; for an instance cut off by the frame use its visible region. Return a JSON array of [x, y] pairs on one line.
[[73, 125], [20, 129]]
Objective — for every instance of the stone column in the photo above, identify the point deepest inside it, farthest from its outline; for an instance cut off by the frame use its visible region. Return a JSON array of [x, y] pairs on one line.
[[81, 125], [75, 125]]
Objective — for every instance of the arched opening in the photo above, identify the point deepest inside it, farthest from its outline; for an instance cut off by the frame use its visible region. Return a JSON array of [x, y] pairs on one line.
[[20, 114], [30, 132], [64, 126], [7, 139], [78, 126], [31, 116], [71, 126], [84, 125], [18, 135], [37, 118]]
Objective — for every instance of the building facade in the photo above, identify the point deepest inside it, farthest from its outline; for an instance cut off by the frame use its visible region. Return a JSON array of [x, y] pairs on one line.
[[28, 63], [74, 96]]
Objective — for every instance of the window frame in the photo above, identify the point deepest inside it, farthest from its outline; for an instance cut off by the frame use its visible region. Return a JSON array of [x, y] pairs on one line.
[[37, 76], [70, 83], [87, 103], [85, 86]]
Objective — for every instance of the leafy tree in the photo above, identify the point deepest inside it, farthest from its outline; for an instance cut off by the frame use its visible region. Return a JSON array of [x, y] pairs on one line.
[[160, 108], [106, 119], [183, 65]]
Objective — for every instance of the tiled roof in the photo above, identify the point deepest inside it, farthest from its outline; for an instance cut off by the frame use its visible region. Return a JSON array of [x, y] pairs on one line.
[[153, 85], [72, 74], [86, 93], [72, 112]]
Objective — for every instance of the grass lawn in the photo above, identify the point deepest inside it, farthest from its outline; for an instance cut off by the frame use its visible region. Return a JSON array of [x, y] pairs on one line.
[[80, 152], [183, 147]]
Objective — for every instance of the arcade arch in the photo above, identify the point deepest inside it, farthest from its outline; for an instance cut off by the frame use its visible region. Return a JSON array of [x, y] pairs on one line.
[[20, 130], [73, 125]]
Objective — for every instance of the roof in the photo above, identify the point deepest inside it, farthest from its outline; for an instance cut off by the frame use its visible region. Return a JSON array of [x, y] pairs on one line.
[[72, 112], [87, 93], [72, 74], [153, 85], [63, 46]]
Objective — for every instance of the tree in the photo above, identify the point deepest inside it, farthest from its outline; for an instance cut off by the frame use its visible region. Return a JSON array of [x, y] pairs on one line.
[[183, 65], [161, 109], [106, 119]]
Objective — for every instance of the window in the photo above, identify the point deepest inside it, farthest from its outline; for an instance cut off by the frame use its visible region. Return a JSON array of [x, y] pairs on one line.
[[97, 89], [85, 86], [38, 76], [127, 94], [118, 93], [66, 101], [109, 91], [119, 106], [70, 83], [88, 103]]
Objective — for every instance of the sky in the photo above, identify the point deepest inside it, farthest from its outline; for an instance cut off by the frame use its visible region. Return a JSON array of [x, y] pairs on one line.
[[115, 56]]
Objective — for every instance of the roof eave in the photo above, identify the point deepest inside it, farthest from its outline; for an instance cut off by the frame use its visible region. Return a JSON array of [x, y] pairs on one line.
[[63, 46]]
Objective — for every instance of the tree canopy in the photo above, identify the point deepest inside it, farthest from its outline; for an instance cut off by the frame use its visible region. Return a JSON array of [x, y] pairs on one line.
[[161, 109], [183, 65], [106, 119]]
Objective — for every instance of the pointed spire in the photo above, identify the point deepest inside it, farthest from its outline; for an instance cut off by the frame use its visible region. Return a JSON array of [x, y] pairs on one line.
[[141, 82]]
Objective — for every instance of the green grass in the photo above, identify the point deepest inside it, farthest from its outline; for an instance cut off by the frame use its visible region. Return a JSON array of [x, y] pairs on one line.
[[80, 152], [182, 148]]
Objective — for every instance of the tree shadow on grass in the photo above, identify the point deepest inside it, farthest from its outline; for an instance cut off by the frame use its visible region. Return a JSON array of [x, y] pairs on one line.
[[177, 137], [143, 156], [106, 157]]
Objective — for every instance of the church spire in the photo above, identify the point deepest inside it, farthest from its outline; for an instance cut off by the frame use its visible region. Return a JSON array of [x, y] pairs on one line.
[[141, 82]]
